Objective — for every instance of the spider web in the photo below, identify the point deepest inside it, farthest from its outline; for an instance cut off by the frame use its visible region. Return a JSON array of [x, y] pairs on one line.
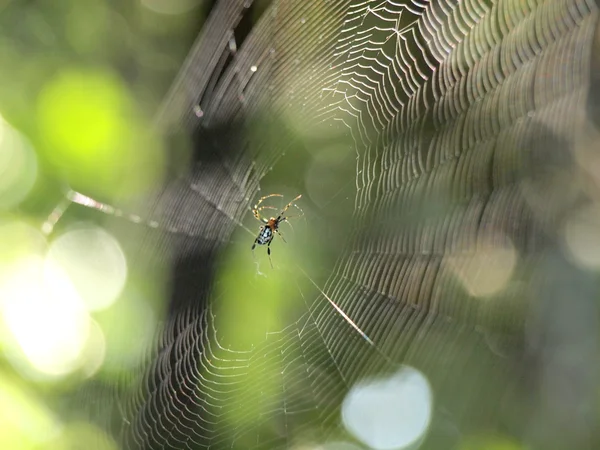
[[450, 107]]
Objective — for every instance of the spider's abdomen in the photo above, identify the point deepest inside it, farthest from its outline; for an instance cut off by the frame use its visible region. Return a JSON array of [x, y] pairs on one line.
[[265, 236]]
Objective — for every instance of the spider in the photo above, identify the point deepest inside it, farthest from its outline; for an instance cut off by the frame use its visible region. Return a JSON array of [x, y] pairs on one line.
[[271, 226]]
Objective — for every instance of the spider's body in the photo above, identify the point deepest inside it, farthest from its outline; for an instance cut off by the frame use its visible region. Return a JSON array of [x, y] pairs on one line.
[[271, 226], [265, 235]]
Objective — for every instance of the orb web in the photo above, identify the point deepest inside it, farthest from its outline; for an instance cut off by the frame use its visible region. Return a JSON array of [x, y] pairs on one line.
[[450, 107]]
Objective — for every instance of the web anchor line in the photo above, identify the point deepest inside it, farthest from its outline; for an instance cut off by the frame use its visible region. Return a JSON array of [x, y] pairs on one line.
[[349, 320], [72, 196]]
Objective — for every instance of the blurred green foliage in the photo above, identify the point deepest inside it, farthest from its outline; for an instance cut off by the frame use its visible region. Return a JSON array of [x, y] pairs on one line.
[[79, 85], [82, 80]]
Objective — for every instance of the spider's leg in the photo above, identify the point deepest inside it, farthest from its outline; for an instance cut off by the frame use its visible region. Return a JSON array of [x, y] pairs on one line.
[[285, 219], [253, 255], [269, 253], [266, 207], [289, 223], [290, 204], [256, 210], [257, 215], [255, 242], [260, 200], [281, 235], [299, 209]]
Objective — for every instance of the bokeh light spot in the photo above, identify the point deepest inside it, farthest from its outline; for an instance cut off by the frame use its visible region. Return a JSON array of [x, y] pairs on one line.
[[485, 271], [87, 26], [81, 113], [18, 166], [243, 320], [45, 315], [252, 300], [582, 237], [95, 263], [128, 326], [93, 134], [95, 350], [83, 435], [389, 413], [25, 422], [19, 239]]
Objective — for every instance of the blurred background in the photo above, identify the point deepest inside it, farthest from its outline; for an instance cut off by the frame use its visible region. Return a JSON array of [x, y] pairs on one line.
[[436, 285]]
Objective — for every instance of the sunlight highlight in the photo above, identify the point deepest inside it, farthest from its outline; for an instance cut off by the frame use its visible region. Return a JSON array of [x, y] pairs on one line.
[[94, 262], [42, 310], [389, 413], [45, 325]]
